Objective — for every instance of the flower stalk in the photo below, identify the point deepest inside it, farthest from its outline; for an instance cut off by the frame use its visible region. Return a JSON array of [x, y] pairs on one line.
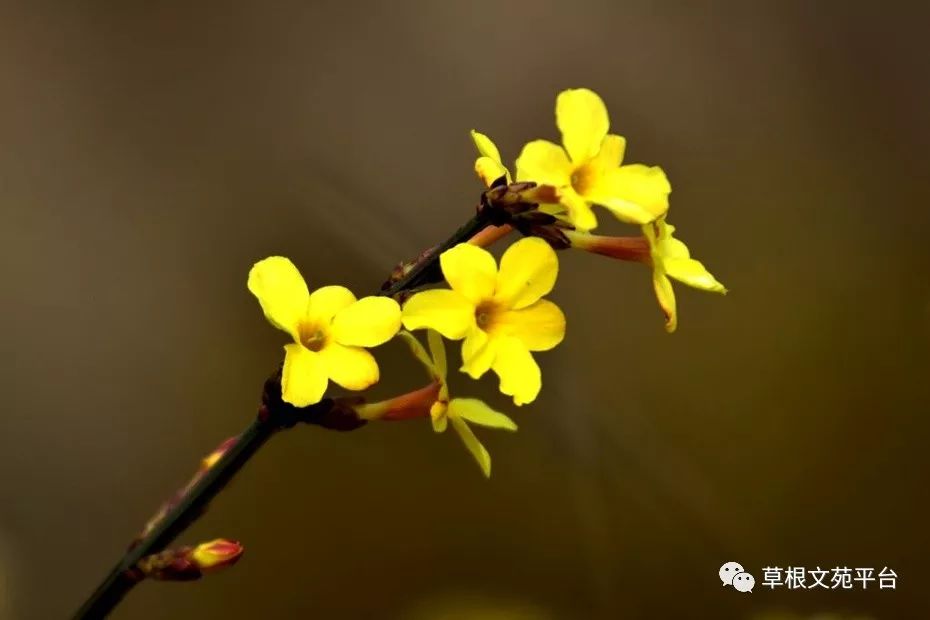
[[634, 249], [183, 514], [273, 415]]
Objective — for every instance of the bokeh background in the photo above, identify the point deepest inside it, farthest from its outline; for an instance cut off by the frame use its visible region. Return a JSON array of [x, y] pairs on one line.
[[151, 152]]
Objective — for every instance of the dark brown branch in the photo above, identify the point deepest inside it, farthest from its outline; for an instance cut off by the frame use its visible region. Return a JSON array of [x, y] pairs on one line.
[[273, 415]]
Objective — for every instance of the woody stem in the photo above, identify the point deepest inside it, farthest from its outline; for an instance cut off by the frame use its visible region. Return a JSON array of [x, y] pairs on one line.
[[271, 418], [422, 272], [119, 582]]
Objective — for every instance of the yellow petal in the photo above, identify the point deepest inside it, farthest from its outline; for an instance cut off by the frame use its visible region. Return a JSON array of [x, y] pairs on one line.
[[438, 352], [540, 326], [579, 212], [440, 423], [635, 194], [477, 412], [519, 374], [661, 241], [281, 292], [693, 273], [489, 166], [611, 152], [528, 271], [671, 248], [652, 231], [419, 352], [304, 378], [473, 445], [477, 353], [446, 311], [326, 302], [489, 171], [353, 368], [666, 297], [485, 146], [470, 270], [582, 118], [367, 323], [544, 163]]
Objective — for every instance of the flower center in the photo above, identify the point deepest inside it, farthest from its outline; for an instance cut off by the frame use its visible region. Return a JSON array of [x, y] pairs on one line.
[[484, 315], [312, 336], [583, 178]]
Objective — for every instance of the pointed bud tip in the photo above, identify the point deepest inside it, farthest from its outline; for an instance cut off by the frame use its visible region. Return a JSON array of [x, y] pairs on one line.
[[216, 554]]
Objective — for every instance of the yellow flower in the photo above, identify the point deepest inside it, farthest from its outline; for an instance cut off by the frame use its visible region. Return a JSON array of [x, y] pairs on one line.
[[587, 170], [488, 166], [500, 314], [458, 411], [671, 259], [329, 327]]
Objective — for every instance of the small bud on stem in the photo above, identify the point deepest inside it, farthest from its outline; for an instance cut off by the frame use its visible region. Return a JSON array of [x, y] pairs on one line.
[[188, 563]]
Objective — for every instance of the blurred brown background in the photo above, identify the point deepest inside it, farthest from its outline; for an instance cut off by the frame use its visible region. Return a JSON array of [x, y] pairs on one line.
[[150, 154]]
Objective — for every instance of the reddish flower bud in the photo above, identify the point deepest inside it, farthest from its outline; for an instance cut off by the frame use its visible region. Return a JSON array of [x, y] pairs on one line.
[[188, 563], [216, 554]]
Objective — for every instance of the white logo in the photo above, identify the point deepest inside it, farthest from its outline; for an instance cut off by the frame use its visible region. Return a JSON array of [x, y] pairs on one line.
[[803, 578], [733, 574], [744, 582]]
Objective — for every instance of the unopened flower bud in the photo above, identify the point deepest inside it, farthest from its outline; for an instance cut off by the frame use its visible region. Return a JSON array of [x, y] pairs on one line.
[[216, 554], [188, 563]]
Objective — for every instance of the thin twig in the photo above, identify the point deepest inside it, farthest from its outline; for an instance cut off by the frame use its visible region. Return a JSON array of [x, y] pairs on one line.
[[419, 274], [273, 416]]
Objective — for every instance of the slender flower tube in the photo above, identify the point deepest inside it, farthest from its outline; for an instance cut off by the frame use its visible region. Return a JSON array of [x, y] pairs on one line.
[[666, 256], [635, 249], [415, 404]]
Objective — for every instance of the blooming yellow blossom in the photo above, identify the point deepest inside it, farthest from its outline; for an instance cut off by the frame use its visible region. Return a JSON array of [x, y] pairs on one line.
[[499, 313], [458, 411], [330, 327], [587, 170], [671, 259]]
